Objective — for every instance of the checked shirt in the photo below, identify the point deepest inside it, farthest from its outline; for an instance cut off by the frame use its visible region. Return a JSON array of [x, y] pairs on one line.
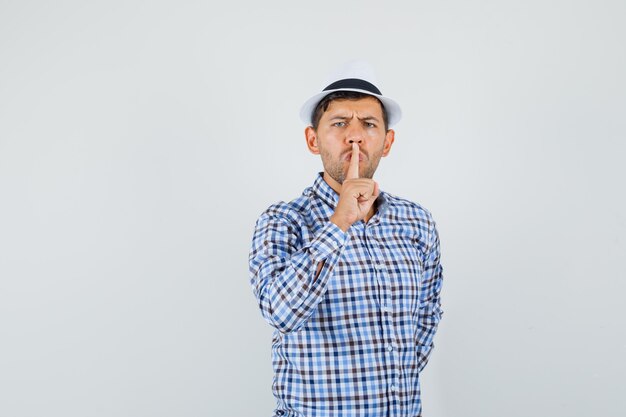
[[352, 340]]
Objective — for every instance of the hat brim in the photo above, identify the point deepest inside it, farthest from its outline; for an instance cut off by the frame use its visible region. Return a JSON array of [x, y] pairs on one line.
[[394, 113]]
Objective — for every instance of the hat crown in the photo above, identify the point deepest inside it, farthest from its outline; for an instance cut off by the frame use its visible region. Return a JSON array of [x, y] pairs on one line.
[[356, 76], [358, 69]]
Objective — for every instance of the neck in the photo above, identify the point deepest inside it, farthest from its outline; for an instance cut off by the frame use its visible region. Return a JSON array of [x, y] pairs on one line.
[[333, 184]]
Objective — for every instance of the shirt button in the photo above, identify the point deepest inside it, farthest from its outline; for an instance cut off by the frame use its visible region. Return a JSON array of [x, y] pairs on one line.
[[386, 309], [380, 266], [393, 388], [390, 347]]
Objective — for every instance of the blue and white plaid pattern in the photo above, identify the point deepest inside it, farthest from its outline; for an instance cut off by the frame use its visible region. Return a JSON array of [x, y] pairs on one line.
[[351, 341]]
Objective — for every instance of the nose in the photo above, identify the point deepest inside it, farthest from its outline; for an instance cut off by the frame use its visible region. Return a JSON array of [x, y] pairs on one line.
[[355, 133]]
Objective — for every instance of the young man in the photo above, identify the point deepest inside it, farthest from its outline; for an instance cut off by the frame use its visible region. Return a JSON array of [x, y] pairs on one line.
[[348, 275]]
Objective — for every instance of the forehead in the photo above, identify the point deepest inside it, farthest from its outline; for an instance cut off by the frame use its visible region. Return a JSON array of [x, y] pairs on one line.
[[366, 106]]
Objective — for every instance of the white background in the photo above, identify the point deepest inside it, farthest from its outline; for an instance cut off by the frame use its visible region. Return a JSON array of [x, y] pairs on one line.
[[140, 140]]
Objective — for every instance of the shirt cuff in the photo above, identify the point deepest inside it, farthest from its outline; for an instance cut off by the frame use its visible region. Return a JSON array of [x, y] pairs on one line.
[[328, 239]]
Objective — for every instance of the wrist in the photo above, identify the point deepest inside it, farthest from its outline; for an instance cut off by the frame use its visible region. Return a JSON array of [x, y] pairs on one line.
[[342, 224]]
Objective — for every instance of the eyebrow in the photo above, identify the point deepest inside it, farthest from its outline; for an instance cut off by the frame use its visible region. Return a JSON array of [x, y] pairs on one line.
[[339, 117]]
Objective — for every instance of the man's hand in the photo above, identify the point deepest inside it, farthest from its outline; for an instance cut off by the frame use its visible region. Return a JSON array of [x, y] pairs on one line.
[[356, 197]]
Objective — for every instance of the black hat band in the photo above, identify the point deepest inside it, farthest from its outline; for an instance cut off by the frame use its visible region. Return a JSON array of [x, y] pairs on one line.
[[355, 83]]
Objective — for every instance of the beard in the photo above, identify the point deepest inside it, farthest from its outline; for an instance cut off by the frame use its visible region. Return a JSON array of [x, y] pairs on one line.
[[337, 168]]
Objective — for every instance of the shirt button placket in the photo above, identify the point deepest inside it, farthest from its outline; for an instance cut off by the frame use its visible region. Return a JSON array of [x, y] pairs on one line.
[[377, 253], [391, 345]]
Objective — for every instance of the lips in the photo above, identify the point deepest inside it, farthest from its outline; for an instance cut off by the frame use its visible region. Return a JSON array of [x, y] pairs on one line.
[[348, 156]]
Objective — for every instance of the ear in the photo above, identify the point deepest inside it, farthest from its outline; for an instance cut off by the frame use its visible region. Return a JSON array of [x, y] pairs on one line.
[[311, 140], [389, 138]]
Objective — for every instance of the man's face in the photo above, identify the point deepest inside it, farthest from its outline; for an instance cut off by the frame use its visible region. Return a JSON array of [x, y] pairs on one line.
[[345, 122]]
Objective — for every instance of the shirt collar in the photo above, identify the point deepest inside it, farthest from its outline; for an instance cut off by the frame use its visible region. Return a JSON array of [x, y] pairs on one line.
[[325, 191], [331, 198]]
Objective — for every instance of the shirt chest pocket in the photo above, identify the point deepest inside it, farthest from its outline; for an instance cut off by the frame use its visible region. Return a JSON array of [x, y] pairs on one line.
[[403, 269], [403, 262]]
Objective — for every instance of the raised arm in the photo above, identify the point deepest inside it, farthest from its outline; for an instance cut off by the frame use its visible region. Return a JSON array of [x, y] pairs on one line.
[[289, 278]]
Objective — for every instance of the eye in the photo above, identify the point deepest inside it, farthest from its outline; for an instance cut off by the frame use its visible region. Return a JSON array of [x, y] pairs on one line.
[[339, 124], [370, 124]]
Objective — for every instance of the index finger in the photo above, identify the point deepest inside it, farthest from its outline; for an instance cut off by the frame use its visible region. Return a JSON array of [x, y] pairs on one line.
[[353, 169]]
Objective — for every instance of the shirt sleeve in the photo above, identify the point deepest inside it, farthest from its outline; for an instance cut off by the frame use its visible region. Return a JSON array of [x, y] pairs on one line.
[[283, 270], [430, 298]]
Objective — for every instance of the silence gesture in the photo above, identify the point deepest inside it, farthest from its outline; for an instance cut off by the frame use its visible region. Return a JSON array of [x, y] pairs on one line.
[[357, 195]]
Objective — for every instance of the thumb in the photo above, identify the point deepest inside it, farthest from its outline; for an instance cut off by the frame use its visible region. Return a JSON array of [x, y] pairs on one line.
[[376, 191]]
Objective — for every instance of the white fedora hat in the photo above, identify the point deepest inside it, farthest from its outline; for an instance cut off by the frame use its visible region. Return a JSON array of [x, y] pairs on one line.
[[354, 76]]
